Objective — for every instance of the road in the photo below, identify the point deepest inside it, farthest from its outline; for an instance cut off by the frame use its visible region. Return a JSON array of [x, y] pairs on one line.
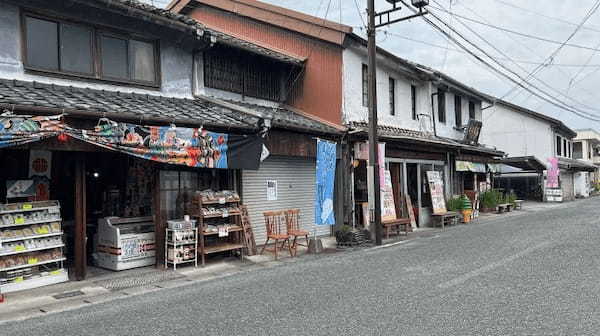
[[535, 274]]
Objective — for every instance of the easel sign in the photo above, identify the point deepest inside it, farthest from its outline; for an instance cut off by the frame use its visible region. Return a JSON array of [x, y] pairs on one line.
[[388, 206], [436, 188]]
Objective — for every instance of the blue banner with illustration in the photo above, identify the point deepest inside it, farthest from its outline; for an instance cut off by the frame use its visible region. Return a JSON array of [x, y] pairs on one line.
[[192, 147], [18, 130], [326, 161]]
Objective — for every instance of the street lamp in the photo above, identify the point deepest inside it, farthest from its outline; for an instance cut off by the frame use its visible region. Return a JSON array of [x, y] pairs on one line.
[[373, 168]]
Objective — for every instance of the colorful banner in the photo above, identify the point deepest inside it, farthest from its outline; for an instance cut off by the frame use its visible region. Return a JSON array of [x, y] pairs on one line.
[[326, 162], [19, 130], [388, 206], [553, 173], [466, 166], [192, 147]]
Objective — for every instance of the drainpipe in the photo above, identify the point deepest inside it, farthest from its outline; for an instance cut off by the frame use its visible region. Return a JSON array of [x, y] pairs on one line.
[[433, 110]]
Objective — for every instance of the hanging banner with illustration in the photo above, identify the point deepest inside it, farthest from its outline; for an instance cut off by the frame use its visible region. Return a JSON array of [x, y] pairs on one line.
[[18, 130], [436, 189], [192, 147], [553, 173], [40, 166], [326, 162]]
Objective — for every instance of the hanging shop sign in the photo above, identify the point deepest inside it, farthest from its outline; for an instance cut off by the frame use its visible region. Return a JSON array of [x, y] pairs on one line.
[[466, 166], [40, 166], [326, 156], [192, 147], [19, 130], [436, 188], [473, 131]]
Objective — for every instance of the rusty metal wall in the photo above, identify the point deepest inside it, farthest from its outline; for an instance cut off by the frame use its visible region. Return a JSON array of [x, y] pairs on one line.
[[318, 90]]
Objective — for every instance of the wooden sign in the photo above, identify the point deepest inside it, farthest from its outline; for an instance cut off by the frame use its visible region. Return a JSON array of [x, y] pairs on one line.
[[436, 190], [388, 206], [365, 214], [411, 212]]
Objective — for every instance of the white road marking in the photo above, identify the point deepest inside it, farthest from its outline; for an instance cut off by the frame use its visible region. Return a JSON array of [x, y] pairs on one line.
[[458, 280]]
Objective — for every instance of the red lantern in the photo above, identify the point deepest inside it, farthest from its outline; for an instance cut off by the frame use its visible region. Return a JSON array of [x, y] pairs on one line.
[[62, 137]]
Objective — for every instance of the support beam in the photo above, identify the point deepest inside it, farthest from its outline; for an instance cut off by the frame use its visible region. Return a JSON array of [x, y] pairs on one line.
[[80, 219]]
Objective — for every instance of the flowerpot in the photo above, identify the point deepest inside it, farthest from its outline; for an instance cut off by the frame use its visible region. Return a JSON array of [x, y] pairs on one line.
[[467, 215]]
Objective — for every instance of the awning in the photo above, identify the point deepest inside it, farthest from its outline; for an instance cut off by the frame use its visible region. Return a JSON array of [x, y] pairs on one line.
[[474, 167], [525, 163], [19, 130], [576, 165]]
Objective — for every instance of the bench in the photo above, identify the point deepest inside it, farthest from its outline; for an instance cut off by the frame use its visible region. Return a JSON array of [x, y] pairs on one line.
[[518, 204], [506, 207], [448, 218], [394, 225]]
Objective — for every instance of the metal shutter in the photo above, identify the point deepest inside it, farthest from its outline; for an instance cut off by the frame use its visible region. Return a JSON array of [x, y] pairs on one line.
[[295, 187], [567, 186]]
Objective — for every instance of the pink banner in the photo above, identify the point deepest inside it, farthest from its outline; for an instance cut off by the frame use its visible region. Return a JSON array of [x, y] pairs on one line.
[[553, 173]]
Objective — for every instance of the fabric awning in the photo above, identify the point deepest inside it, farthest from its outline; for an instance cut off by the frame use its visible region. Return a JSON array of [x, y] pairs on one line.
[[467, 166], [19, 130]]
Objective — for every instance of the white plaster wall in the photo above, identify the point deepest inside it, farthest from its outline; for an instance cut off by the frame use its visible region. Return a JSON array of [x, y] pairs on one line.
[[517, 134], [353, 109], [176, 62], [449, 129]]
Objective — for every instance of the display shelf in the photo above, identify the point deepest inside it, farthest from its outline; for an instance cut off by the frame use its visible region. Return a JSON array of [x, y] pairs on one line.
[[5, 212], [222, 247], [177, 247], [231, 214], [32, 265], [13, 239], [31, 250], [32, 223], [221, 202], [231, 229], [180, 262], [35, 282], [186, 242]]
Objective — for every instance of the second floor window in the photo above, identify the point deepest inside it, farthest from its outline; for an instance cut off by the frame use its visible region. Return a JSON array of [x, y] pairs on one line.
[[79, 50], [392, 96], [558, 146], [457, 111], [578, 150], [472, 110], [413, 101], [365, 85], [442, 106]]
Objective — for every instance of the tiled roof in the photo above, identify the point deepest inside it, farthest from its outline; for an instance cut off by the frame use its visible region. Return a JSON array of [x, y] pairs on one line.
[[128, 6], [134, 107], [397, 133], [287, 118]]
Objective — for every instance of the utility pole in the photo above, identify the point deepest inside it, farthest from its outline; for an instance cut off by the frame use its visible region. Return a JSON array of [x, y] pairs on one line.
[[373, 174]]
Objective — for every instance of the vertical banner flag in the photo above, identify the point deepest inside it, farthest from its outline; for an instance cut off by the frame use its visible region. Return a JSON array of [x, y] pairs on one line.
[[553, 173], [40, 167], [326, 161]]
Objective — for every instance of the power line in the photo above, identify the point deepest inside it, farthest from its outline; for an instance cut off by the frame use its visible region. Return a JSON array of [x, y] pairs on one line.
[[362, 19], [556, 103], [511, 31]]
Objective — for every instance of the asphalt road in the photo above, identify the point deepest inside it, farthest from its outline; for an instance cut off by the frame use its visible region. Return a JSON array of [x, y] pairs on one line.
[[536, 274]]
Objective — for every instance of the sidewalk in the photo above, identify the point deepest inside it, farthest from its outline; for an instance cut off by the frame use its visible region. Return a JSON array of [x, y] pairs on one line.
[[109, 286]]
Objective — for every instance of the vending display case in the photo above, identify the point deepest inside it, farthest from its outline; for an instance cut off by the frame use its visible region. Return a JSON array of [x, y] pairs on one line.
[[125, 243]]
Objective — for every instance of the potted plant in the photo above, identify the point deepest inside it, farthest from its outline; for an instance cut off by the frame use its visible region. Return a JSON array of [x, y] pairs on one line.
[[344, 234], [466, 208], [490, 200]]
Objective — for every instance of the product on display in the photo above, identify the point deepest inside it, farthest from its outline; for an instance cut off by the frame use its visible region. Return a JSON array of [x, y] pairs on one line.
[[124, 243], [31, 246], [181, 245]]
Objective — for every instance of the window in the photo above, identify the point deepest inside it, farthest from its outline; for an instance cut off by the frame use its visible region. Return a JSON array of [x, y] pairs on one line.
[[569, 147], [577, 150], [85, 51], [558, 146], [392, 96], [441, 106], [365, 85], [241, 72], [472, 110], [565, 152], [413, 100], [458, 111]]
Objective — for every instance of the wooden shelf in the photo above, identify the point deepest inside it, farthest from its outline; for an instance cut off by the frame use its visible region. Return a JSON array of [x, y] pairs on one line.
[[219, 202], [222, 248], [231, 214], [231, 229]]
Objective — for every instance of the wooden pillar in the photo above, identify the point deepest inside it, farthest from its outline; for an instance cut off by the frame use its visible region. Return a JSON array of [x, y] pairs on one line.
[[159, 221], [80, 219]]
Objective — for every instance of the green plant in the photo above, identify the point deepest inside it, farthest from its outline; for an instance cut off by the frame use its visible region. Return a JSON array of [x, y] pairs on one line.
[[465, 203], [454, 204], [511, 198], [344, 233], [490, 199]]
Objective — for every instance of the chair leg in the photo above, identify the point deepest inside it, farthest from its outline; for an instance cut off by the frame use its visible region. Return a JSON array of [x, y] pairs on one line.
[[290, 248], [264, 246], [276, 249], [307, 241]]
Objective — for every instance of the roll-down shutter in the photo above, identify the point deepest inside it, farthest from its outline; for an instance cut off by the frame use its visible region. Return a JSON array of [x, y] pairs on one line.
[[295, 188]]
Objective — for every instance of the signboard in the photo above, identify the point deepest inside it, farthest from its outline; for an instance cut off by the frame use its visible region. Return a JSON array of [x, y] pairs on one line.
[[40, 166], [20, 188], [553, 173], [388, 207], [554, 195], [473, 131], [272, 190], [466, 166], [326, 162], [436, 190]]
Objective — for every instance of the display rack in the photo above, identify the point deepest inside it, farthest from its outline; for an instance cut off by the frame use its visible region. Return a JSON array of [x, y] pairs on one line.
[[181, 246], [31, 246], [219, 224]]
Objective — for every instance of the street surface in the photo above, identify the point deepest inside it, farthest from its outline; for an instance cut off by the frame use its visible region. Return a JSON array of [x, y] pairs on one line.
[[534, 274]]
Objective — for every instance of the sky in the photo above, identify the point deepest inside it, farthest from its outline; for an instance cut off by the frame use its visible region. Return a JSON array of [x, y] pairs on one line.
[[568, 73]]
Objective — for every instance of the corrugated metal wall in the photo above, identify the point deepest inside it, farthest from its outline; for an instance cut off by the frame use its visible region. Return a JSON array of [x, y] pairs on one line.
[[567, 185], [319, 89], [296, 190]]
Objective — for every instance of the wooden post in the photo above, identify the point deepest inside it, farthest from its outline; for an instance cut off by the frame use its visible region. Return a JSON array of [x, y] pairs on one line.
[[80, 219], [159, 221]]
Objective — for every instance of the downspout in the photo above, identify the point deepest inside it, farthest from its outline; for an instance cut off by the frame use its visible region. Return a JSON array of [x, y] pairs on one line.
[[433, 110]]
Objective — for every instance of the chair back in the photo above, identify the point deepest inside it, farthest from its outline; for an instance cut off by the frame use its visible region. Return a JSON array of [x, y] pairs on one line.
[[292, 220], [274, 222]]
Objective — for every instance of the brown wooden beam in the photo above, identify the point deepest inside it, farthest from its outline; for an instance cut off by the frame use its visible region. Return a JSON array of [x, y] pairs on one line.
[[160, 221], [80, 219]]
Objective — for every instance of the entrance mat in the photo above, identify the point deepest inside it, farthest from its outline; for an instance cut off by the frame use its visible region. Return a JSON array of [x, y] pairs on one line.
[[138, 280], [68, 295]]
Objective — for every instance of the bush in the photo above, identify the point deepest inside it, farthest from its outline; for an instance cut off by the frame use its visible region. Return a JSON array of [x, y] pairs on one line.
[[491, 199]]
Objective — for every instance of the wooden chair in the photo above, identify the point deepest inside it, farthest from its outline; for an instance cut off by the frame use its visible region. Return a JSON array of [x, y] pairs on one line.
[[292, 220], [273, 223]]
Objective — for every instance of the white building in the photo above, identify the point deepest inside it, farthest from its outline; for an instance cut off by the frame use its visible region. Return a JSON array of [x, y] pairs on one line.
[[586, 148]]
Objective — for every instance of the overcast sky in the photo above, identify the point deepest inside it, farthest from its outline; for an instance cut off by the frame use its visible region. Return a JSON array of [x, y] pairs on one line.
[[554, 20]]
